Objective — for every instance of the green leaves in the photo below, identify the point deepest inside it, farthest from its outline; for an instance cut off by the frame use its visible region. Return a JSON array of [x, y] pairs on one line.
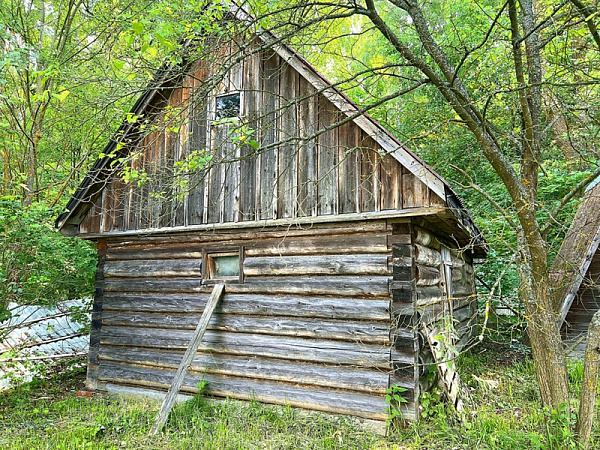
[[37, 264], [62, 95], [137, 27], [394, 399]]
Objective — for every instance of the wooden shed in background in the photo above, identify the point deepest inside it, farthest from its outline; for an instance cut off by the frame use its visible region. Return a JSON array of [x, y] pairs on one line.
[[576, 272], [334, 240]]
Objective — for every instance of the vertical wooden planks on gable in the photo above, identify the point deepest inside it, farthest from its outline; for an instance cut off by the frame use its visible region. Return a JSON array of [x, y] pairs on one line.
[[269, 135], [370, 168], [119, 192], [182, 178], [172, 148], [142, 200], [231, 174], [308, 122], [155, 169], [328, 158], [435, 200], [349, 168], [215, 182], [391, 183], [251, 95], [288, 150], [415, 192], [91, 223], [232, 151], [107, 206], [161, 181], [198, 122], [173, 192]]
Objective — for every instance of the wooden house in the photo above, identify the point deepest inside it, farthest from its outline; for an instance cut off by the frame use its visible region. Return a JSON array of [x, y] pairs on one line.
[[576, 272], [336, 243]]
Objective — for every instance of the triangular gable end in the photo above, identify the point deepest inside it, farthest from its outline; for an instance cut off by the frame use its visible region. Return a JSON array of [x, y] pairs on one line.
[[95, 180]]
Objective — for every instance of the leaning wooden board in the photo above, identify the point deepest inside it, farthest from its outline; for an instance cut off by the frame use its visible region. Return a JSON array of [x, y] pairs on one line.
[[187, 360]]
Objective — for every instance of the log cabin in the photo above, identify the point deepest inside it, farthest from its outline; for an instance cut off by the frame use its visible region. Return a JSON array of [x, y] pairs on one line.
[[576, 273], [334, 241]]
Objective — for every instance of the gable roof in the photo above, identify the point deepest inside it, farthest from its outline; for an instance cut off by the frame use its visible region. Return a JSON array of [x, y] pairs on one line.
[[576, 252], [167, 77]]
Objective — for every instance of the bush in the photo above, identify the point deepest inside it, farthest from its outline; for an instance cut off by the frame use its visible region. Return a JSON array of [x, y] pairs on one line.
[[37, 264]]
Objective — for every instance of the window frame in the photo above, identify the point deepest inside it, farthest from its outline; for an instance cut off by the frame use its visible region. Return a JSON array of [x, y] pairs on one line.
[[209, 269], [228, 94]]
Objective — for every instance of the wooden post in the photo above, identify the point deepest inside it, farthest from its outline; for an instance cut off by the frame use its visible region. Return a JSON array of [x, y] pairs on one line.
[[589, 384], [186, 362]]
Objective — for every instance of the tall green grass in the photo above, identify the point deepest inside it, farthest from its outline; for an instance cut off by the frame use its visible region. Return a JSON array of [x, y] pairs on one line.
[[505, 413]]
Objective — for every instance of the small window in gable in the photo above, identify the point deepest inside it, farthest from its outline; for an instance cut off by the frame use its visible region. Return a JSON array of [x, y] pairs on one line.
[[228, 106]]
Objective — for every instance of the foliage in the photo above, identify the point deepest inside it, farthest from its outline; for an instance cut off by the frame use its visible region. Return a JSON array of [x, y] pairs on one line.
[[433, 406], [394, 400], [37, 264]]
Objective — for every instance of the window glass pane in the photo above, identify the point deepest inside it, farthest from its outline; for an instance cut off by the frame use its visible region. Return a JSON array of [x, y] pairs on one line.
[[227, 266], [228, 106]]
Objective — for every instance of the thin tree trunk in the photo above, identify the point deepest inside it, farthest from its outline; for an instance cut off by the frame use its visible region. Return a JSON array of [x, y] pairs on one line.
[[589, 383], [32, 166], [546, 345]]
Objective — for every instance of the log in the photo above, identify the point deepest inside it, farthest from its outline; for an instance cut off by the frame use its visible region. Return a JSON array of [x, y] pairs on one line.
[[427, 276], [295, 372], [242, 231], [187, 359], [320, 399], [427, 295], [373, 333], [320, 245], [290, 348], [258, 244], [154, 268], [361, 264], [427, 256], [462, 314], [258, 305], [426, 239], [351, 286]]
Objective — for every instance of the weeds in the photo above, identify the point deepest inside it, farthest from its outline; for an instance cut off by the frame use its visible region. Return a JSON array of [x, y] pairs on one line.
[[507, 414]]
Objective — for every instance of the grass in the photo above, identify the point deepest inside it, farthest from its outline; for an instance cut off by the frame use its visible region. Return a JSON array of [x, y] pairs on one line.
[[506, 415]]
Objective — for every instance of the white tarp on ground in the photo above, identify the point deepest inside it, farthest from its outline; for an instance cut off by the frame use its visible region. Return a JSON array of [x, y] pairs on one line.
[[37, 333]]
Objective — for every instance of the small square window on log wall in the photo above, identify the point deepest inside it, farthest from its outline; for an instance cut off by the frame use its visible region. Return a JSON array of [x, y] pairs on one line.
[[223, 266]]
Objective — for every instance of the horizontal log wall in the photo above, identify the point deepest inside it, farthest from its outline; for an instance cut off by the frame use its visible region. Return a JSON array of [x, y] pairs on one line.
[[305, 165], [432, 304], [310, 324], [405, 326]]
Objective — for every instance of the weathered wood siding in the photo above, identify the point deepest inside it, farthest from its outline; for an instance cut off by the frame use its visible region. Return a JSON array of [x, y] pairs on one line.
[[311, 324], [420, 294], [586, 303], [305, 165]]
